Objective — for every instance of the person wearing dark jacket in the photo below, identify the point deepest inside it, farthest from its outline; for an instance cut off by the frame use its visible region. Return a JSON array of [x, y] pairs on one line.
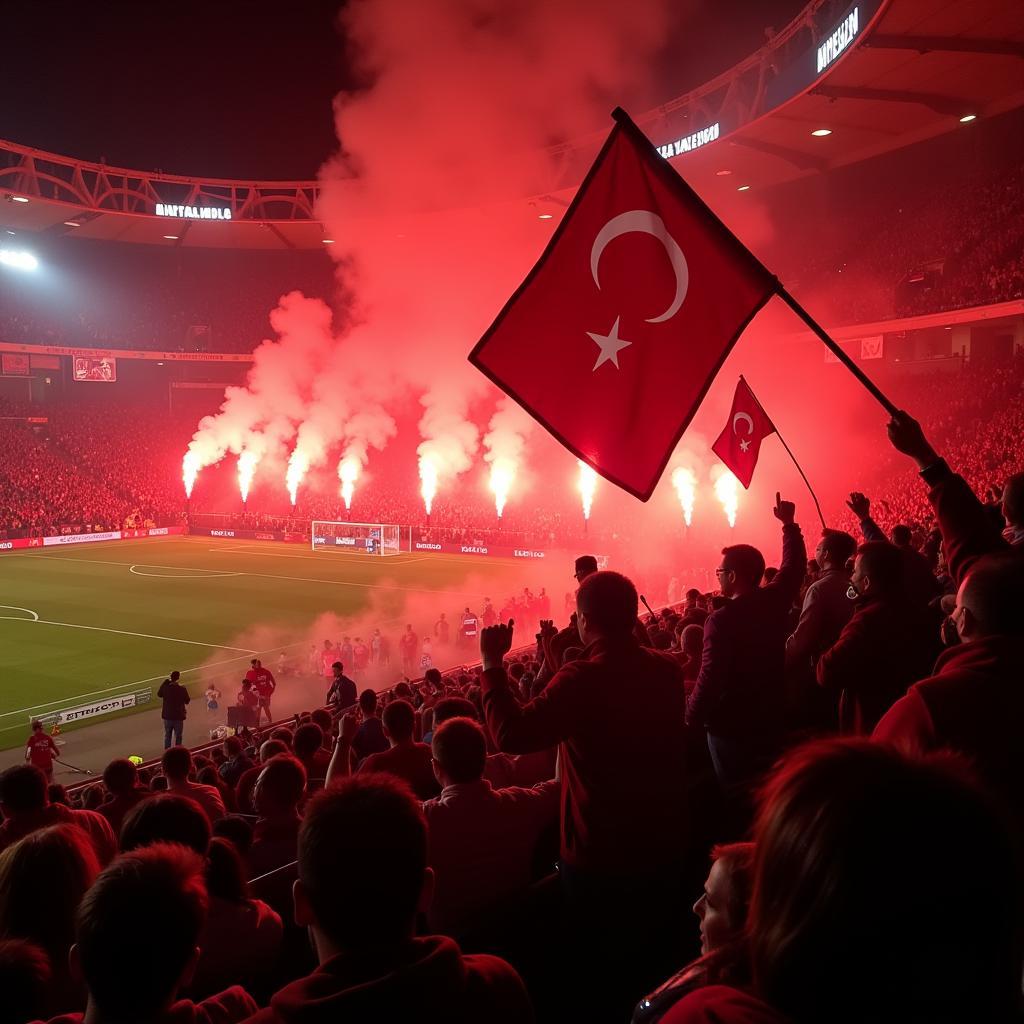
[[342, 693], [739, 697], [974, 702], [918, 579], [890, 642], [616, 715], [372, 964], [174, 697]]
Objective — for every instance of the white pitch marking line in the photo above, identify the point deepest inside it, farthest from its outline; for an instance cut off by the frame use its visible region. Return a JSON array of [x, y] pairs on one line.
[[139, 682], [18, 618], [262, 575], [210, 574], [128, 632]]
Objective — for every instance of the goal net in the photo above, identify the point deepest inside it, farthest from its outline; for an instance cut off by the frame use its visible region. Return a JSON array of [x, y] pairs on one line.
[[356, 538]]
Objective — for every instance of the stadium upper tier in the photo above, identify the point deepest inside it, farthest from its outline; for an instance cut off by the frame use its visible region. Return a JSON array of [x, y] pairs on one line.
[[841, 83]]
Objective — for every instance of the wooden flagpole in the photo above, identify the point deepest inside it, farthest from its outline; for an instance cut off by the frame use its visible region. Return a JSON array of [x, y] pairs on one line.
[[789, 452]]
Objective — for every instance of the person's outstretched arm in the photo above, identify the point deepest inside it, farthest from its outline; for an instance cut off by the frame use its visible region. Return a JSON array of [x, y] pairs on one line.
[[860, 506], [968, 530], [786, 584], [537, 725]]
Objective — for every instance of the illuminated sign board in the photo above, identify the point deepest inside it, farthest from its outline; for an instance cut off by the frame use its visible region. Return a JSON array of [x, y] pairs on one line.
[[840, 39], [690, 142], [193, 212]]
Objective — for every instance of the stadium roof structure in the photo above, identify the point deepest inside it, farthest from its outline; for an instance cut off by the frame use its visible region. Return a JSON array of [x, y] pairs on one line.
[[841, 83]]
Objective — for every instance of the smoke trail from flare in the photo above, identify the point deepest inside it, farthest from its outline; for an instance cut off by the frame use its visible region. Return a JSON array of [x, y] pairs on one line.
[[298, 463], [190, 466], [428, 481], [684, 480], [348, 473], [247, 463], [727, 490], [587, 485]]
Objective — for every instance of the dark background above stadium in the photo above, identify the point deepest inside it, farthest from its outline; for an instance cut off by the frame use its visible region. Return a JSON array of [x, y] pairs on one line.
[[233, 89]]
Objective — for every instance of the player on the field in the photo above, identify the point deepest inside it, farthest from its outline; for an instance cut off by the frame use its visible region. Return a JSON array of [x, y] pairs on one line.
[[470, 629], [40, 749], [489, 616], [328, 656], [264, 683], [409, 645], [347, 652], [442, 631], [360, 657], [426, 655]]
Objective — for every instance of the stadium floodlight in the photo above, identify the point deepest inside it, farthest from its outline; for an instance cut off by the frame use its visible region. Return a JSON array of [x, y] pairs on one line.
[[18, 259]]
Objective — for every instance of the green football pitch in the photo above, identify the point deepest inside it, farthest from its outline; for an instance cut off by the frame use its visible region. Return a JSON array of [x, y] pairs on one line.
[[85, 624]]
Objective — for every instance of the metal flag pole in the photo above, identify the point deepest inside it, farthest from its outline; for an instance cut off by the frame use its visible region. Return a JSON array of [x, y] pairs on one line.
[[789, 452]]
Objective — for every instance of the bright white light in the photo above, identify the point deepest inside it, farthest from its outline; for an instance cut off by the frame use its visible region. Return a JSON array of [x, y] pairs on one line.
[[822, 132], [587, 484], [743, 188], [545, 216], [171, 238], [18, 259], [19, 199], [723, 173], [328, 241], [72, 224], [685, 483], [967, 118]]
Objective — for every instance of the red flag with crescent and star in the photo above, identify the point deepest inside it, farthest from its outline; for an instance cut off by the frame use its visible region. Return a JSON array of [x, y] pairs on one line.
[[739, 444], [616, 334]]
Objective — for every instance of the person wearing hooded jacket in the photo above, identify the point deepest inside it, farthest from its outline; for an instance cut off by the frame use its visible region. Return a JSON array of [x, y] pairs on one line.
[[372, 965]]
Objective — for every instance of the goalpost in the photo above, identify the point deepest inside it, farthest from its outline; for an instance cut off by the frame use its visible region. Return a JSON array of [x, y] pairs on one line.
[[356, 538]]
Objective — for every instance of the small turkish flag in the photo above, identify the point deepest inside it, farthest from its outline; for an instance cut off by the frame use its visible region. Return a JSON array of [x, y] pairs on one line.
[[616, 334], [739, 444]]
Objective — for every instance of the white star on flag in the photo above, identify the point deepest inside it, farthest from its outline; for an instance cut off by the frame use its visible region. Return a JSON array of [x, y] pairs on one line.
[[744, 445], [610, 345]]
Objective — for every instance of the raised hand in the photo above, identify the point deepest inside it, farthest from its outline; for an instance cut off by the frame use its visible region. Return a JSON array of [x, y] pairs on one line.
[[859, 505], [495, 643], [906, 436], [784, 511]]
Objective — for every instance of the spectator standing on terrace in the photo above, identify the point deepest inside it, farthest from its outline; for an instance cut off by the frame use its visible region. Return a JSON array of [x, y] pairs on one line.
[[137, 943], [370, 738], [888, 644], [373, 966], [41, 750], [177, 765], [236, 761], [481, 841], [342, 693], [739, 697], [407, 759], [616, 715], [264, 684], [175, 698], [279, 790], [121, 778], [26, 807]]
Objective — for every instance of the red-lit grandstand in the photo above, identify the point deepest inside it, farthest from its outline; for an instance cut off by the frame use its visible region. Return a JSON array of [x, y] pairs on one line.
[[872, 156]]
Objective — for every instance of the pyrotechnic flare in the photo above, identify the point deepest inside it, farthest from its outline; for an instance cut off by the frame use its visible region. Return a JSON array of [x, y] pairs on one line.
[[502, 474], [189, 471], [428, 482], [685, 483], [727, 490], [298, 463], [348, 473], [247, 463], [587, 484]]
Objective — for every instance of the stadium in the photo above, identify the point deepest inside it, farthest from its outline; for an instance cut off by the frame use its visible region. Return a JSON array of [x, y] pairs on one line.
[[261, 427]]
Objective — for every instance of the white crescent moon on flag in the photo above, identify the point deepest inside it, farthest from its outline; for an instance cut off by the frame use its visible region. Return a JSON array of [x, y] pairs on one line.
[[743, 416], [650, 224]]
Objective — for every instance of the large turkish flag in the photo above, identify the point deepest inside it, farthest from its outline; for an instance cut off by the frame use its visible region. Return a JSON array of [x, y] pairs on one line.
[[618, 331], [740, 442]]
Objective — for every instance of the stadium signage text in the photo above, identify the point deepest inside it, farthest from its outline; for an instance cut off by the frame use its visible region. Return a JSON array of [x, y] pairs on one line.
[[222, 533], [840, 39], [82, 538], [193, 212], [518, 553], [100, 707], [690, 142], [85, 538], [423, 545]]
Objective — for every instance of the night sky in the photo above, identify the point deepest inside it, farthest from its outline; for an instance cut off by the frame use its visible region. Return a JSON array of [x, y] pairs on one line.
[[230, 89]]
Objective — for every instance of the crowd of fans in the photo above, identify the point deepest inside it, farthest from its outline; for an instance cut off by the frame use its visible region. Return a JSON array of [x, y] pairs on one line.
[[838, 736]]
